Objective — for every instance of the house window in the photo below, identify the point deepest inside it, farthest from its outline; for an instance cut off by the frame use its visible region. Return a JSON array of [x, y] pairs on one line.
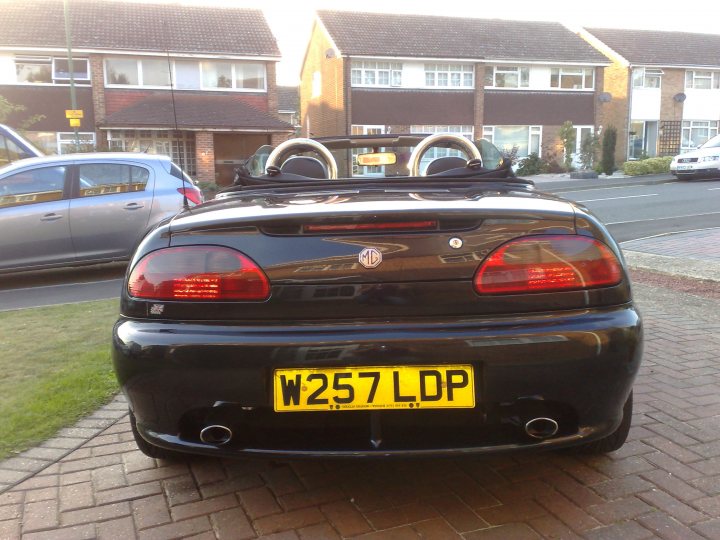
[[646, 78], [67, 143], [233, 75], [61, 69], [48, 70], [507, 77], [702, 80], [449, 75], [154, 72], [189, 75], [217, 75], [371, 73], [572, 78], [697, 132], [526, 139], [250, 76], [179, 145], [33, 69], [121, 71]]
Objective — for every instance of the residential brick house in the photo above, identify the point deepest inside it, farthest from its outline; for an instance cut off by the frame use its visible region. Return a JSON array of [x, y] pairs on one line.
[[512, 82], [665, 89], [195, 83]]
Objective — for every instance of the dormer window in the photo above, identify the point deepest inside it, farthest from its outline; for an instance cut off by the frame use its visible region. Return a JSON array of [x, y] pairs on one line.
[[647, 77]]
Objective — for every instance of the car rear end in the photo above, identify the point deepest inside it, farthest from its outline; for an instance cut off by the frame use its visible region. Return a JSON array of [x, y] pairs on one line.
[[377, 323]]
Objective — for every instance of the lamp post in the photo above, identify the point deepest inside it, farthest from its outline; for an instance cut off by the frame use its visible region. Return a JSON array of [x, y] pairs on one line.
[[68, 41]]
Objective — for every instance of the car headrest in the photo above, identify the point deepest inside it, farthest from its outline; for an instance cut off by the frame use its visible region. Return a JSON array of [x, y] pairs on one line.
[[443, 164], [309, 167]]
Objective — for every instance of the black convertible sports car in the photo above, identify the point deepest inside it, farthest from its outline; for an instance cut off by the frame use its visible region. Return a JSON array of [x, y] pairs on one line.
[[378, 296]]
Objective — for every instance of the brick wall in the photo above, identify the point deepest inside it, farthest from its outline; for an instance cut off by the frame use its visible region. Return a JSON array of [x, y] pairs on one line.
[[271, 103], [205, 156], [277, 138], [673, 82], [97, 79], [326, 112], [616, 81]]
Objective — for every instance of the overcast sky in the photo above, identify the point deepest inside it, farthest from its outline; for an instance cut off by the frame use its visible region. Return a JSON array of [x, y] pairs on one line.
[[291, 21]]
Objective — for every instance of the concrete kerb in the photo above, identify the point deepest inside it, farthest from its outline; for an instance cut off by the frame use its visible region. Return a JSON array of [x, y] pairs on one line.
[[555, 184], [673, 266]]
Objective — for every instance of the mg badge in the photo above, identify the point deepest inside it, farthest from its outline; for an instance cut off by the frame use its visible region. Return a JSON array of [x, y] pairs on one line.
[[370, 257]]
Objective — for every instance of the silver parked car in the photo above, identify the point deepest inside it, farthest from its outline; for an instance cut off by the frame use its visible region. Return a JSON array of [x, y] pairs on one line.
[[85, 208]]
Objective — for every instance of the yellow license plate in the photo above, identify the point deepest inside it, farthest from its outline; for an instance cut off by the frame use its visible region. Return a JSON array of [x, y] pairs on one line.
[[377, 387]]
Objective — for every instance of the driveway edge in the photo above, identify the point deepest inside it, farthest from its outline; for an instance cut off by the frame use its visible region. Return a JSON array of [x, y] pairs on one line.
[[19, 468]]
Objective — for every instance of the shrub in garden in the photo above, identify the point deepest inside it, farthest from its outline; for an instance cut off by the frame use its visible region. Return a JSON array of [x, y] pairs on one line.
[[608, 150], [656, 165]]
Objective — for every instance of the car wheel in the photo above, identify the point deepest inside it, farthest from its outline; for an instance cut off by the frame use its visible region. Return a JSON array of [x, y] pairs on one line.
[[616, 439], [151, 450]]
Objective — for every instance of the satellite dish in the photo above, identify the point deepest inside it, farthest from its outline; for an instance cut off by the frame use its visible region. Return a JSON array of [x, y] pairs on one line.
[[330, 53], [680, 97], [604, 97]]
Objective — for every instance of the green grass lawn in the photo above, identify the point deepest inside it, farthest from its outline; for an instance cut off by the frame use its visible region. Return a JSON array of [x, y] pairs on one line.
[[56, 368]]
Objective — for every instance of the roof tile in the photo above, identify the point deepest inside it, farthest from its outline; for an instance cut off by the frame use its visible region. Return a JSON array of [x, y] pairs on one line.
[[124, 26], [422, 36], [662, 48]]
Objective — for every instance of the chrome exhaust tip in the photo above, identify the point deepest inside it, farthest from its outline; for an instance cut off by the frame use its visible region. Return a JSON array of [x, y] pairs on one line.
[[541, 428], [216, 434]]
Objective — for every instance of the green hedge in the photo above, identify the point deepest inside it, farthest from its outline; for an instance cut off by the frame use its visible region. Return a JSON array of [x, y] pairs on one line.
[[654, 165]]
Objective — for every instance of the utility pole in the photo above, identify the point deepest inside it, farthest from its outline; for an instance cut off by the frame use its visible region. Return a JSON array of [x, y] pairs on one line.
[[68, 41]]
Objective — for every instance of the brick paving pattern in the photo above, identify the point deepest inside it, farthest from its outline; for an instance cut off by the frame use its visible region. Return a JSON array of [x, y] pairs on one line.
[[699, 245], [664, 483]]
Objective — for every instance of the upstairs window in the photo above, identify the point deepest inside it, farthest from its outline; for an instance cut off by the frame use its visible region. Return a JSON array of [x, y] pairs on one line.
[[61, 69], [449, 75], [371, 73], [186, 74], [507, 77], [33, 69], [122, 71], [569, 78], [702, 80], [647, 77], [155, 72]]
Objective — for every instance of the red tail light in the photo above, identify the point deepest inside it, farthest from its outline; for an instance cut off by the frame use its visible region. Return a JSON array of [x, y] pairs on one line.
[[193, 194], [548, 263], [198, 273]]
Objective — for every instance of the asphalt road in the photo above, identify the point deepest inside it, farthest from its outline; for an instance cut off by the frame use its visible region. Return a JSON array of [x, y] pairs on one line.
[[631, 211], [640, 211]]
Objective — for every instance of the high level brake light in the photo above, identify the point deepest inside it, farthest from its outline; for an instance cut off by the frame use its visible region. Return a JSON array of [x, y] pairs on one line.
[[547, 263], [190, 273], [425, 225]]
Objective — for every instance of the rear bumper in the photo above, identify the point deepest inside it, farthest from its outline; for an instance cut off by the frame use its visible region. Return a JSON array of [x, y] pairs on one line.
[[576, 366]]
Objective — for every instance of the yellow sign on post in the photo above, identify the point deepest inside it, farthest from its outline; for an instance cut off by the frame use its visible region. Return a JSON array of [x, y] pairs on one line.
[[74, 122], [71, 114]]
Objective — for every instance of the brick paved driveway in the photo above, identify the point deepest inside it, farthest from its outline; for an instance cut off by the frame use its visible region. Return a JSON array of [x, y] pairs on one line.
[[664, 483]]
